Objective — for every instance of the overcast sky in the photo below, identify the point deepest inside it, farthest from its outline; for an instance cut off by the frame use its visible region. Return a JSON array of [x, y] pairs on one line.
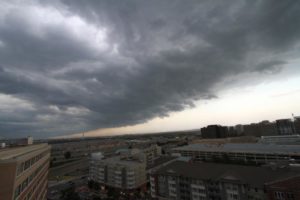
[[68, 66]]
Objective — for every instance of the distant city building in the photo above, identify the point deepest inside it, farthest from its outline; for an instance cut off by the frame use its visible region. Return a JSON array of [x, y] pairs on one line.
[[264, 128], [239, 129], [244, 152], [231, 132], [195, 181], [24, 172], [29, 140], [16, 142], [214, 131], [297, 125], [152, 152], [126, 171], [285, 127]]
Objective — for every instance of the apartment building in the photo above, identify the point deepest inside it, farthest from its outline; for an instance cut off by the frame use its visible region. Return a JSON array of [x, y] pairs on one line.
[[286, 188], [152, 152], [24, 172], [285, 127], [214, 131], [181, 180], [297, 125], [258, 153], [264, 128], [126, 171]]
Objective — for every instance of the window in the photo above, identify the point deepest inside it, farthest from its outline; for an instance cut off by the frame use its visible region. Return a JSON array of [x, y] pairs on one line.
[[279, 195], [20, 168], [17, 191], [26, 182], [27, 164]]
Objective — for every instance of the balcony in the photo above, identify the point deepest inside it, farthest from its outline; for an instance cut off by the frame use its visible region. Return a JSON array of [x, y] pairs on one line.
[[118, 172], [202, 187], [130, 173]]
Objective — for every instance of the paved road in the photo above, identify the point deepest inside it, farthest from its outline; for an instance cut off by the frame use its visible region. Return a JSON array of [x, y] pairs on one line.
[[77, 168], [55, 190]]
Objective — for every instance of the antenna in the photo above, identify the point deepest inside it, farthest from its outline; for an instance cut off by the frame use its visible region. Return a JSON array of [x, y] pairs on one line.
[[293, 124]]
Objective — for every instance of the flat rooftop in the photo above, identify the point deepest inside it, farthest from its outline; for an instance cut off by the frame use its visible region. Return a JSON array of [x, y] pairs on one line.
[[161, 160], [15, 152], [243, 147], [119, 160], [253, 175]]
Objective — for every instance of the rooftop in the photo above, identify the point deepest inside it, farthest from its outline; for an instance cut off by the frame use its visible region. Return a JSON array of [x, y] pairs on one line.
[[243, 147], [161, 160], [120, 160], [256, 176], [15, 152]]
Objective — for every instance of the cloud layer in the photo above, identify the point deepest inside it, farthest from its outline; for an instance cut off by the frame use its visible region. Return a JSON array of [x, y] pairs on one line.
[[70, 66]]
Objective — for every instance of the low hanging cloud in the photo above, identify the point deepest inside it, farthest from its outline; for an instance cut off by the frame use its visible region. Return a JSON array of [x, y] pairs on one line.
[[70, 66]]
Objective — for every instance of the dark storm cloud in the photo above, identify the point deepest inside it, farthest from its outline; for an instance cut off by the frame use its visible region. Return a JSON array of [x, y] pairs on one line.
[[83, 65], [272, 67]]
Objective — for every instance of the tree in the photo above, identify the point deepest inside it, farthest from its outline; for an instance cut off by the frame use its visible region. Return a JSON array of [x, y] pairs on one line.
[[69, 194], [67, 155], [96, 186], [112, 193], [96, 198], [91, 184]]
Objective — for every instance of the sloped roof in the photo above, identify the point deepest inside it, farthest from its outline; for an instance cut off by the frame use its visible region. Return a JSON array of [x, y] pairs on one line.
[[255, 176]]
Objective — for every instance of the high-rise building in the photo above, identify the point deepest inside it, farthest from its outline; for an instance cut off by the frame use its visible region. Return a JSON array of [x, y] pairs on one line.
[[285, 127], [24, 172], [239, 129], [231, 131], [264, 128], [297, 125], [214, 131]]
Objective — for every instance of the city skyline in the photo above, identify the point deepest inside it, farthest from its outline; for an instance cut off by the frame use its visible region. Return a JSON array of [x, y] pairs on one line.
[[106, 68]]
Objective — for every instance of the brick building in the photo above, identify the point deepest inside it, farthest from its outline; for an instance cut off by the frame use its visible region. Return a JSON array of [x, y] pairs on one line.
[[288, 188], [24, 172]]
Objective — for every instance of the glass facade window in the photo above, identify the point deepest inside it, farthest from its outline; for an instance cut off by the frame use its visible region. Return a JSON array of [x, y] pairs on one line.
[[28, 180], [28, 163]]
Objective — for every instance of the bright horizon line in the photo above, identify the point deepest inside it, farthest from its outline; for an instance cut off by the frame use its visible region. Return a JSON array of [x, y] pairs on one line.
[[80, 135]]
